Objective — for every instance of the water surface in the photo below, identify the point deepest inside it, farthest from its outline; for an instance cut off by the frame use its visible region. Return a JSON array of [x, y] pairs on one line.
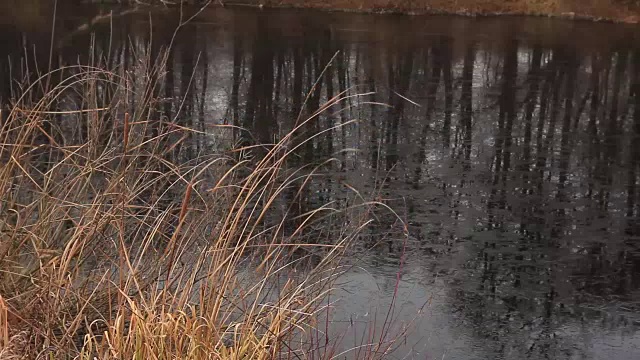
[[509, 146]]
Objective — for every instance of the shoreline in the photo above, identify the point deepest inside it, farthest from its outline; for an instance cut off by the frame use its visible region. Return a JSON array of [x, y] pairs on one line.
[[616, 15]]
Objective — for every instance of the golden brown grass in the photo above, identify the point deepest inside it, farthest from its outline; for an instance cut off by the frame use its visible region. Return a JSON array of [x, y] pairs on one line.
[[116, 245]]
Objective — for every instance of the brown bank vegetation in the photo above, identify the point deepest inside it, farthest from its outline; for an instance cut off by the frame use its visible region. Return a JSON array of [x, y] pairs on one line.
[[611, 10], [37, 13], [616, 10]]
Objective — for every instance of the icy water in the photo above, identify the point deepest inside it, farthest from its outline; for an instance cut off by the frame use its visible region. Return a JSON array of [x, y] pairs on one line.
[[510, 146]]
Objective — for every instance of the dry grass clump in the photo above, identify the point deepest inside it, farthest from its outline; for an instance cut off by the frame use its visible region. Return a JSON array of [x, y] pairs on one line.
[[129, 235]]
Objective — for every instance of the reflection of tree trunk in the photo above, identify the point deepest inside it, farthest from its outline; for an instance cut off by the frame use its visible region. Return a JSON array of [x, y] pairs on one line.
[[466, 102], [432, 89], [296, 101], [315, 68], [235, 86], [328, 68], [205, 83], [534, 85], [280, 59], [374, 142], [508, 105], [466, 113], [297, 207], [329, 115], [524, 168], [565, 145], [553, 119], [503, 137], [264, 120], [149, 92], [398, 82], [252, 94], [297, 83], [631, 253], [544, 146], [375, 121], [187, 95], [505, 129], [634, 156], [258, 113], [12, 42], [448, 91], [546, 93], [341, 64], [613, 128], [592, 128], [565, 150]]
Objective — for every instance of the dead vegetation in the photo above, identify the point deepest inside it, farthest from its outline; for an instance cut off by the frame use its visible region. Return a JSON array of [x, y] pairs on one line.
[[117, 245]]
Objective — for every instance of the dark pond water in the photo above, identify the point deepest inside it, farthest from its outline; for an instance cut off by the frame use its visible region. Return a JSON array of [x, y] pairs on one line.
[[510, 147]]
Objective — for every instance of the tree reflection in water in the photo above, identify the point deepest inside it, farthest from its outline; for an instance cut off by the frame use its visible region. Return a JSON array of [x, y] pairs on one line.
[[511, 147]]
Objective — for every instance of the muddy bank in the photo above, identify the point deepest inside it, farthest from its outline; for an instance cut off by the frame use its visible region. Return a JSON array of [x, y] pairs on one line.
[[627, 11]]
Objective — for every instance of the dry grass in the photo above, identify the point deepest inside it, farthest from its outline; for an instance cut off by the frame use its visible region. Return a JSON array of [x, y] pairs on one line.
[[116, 244]]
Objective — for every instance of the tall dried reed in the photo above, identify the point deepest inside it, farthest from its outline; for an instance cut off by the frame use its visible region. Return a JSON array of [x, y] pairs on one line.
[[116, 243]]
